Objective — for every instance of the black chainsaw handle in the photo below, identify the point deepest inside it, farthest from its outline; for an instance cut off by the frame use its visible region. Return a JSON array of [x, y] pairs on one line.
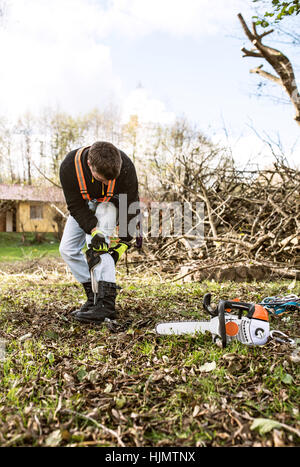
[[218, 311], [222, 324], [227, 305], [207, 307]]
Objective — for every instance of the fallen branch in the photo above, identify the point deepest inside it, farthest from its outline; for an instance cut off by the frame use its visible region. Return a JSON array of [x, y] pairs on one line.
[[59, 211]]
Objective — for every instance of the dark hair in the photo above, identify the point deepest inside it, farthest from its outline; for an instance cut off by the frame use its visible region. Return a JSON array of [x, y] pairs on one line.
[[105, 159]]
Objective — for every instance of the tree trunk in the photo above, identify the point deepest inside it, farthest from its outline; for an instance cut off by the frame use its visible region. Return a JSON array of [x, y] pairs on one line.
[[280, 63]]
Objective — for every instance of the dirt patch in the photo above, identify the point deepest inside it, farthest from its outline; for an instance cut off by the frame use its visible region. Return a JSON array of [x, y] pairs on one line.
[[237, 273], [35, 265]]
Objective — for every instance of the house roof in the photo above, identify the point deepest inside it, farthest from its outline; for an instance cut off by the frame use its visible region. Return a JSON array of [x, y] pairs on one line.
[[49, 194]]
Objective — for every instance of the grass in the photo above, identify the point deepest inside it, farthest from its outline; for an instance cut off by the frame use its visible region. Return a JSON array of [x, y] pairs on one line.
[[19, 247], [67, 384]]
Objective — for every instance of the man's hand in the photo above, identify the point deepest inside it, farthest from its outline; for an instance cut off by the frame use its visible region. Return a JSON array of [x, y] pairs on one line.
[[117, 251], [98, 242]]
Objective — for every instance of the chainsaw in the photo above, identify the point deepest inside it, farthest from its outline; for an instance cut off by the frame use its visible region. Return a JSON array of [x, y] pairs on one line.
[[252, 328]]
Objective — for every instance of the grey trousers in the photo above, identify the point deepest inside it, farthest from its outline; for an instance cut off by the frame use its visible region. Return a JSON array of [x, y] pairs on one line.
[[74, 239]]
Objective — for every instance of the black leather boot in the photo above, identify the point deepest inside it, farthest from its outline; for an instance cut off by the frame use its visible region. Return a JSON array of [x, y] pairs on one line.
[[104, 307], [90, 299]]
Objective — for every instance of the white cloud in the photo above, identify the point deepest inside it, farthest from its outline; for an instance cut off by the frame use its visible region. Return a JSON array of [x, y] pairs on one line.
[[147, 108], [249, 150], [58, 54], [52, 56]]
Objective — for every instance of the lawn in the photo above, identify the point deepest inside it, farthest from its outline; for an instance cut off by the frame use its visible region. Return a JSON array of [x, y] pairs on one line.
[[67, 384], [18, 246]]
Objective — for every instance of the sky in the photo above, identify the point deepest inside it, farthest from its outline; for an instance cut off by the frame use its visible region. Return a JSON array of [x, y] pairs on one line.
[[159, 59]]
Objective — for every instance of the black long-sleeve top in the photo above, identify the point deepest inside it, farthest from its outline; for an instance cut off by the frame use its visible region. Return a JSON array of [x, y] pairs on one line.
[[127, 182]]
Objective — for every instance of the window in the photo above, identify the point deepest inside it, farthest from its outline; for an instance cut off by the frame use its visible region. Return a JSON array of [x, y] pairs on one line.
[[36, 211]]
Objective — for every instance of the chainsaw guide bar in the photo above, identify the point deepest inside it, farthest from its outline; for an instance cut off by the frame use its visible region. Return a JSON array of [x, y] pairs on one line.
[[253, 329]]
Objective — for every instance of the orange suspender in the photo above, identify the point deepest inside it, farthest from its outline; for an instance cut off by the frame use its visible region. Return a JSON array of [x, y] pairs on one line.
[[82, 184], [80, 176], [110, 191]]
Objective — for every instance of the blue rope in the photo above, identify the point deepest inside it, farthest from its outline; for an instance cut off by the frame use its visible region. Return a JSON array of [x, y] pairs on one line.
[[279, 305]]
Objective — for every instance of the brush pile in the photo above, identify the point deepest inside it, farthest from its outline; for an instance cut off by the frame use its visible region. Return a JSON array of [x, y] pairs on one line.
[[251, 225]]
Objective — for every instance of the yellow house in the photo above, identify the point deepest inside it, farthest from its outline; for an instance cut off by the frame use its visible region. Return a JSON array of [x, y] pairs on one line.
[[26, 208]]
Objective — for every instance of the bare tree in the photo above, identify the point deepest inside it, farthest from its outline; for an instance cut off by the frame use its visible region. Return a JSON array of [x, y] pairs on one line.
[[25, 127], [282, 66], [66, 133], [6, 165]]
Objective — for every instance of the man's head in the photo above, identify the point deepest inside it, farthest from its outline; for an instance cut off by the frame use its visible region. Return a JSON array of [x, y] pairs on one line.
[[105, 161]]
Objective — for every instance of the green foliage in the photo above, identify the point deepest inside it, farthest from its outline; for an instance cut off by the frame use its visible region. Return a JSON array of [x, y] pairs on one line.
[[17, 246], [264, 425], [279, 11]]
